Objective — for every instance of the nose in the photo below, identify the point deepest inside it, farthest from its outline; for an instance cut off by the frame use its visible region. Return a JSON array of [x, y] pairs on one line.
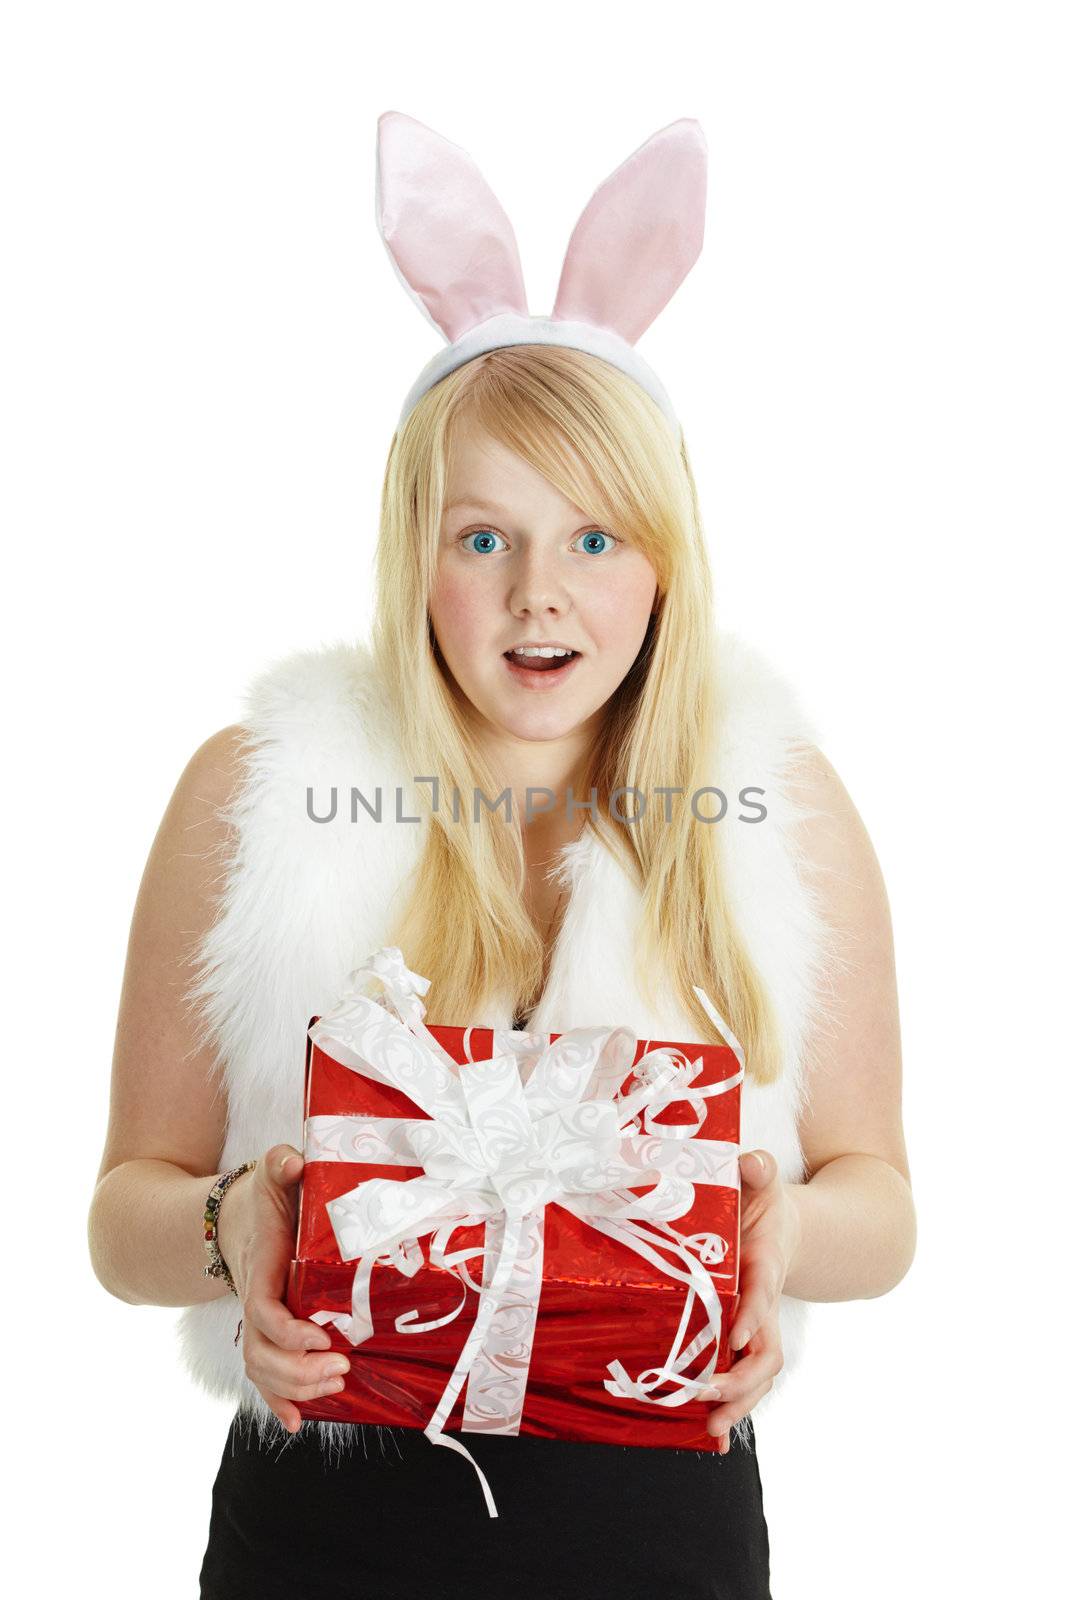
[[538, 588]]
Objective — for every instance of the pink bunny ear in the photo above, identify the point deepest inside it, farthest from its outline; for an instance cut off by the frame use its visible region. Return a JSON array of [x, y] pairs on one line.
[[446, 233], [639, 235]]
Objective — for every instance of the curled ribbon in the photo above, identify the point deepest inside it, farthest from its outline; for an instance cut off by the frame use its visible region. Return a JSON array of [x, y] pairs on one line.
[[496, 1148]]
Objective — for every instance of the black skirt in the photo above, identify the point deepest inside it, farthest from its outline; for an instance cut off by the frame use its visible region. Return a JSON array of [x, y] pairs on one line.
[[398, 1517]]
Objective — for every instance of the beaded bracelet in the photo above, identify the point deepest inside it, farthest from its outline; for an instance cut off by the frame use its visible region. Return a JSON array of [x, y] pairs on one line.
[[216, 1266]]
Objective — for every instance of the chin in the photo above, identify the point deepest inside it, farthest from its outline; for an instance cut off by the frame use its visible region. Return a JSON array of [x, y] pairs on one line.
[[531, 722]]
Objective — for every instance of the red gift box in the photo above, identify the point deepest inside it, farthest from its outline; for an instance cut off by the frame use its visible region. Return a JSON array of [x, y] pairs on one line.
[[591, 1307]]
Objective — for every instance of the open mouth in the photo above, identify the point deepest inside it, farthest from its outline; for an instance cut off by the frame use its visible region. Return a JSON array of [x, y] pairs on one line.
[[540, 663], [532, 670]]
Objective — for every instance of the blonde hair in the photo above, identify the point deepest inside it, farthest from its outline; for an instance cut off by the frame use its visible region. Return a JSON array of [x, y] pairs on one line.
[[603, 443]]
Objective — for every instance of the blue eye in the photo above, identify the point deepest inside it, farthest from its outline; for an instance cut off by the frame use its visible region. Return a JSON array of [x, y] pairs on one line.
[[596, 534], [479, 533], [484, 544]]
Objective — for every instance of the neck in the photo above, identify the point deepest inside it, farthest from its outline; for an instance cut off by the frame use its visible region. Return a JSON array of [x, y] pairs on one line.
[[530, 767]]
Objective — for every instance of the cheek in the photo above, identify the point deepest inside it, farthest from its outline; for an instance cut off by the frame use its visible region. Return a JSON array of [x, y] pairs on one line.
[[459, 611], [618, 605]]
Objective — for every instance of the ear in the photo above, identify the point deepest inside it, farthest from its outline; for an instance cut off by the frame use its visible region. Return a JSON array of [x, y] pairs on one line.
[[446, 233], [639, 235]]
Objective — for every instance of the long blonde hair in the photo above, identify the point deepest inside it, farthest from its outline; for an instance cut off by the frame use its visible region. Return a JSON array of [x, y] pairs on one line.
[[603, 443]]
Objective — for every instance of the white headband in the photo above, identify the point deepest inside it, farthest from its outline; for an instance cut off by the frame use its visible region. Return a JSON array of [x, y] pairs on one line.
[[454, 250]]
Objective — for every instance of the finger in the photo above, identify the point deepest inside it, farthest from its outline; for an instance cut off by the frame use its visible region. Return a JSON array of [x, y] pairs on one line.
[[272, 1317], [264, 1298], [283, 1164], [761, 1366], [314, 1391], [721, 1418], [283, 1168], [284, 1410], [264, 1302], [758, 1168], [308, 1385], [760, 1289], [264, 1293], [266, 1312], [286, 1371]]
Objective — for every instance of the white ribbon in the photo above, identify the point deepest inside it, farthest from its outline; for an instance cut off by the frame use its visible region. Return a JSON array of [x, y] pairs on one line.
[[496, 1146]]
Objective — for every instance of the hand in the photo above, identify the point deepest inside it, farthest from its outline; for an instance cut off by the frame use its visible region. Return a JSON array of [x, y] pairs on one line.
[[257, 1227], [769, 1234]]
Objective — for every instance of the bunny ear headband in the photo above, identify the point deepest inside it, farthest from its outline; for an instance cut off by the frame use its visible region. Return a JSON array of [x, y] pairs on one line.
[[454, 250]]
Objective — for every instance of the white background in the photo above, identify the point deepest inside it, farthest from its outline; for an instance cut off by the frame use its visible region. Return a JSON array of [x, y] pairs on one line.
[[204, 354]]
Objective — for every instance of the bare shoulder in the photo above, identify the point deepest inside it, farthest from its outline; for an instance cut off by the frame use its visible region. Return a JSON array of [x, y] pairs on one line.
[[835, 841], [165, 1099], [195, 829], [855, 1081], [212, 774], [817, 785]]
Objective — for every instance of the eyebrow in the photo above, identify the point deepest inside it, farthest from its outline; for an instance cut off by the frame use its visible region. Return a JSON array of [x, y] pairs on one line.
[[477, 505]]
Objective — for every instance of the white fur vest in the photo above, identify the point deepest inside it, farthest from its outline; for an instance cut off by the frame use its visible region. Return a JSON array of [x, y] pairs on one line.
[[304, 903]]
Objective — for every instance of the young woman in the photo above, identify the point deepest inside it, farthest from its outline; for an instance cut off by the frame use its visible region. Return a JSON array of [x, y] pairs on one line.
[[537, 497]]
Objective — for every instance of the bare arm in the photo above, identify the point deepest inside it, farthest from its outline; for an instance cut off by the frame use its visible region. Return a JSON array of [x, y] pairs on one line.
[[854, 1218], [168, 1114]]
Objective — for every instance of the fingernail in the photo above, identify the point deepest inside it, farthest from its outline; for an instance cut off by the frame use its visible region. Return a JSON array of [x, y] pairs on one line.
[[285, 1163], [725, 1443], [334, 1367], [739, 1338], [712, 1393]]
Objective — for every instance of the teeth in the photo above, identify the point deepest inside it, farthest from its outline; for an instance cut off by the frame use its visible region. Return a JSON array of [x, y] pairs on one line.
[[539, 650]]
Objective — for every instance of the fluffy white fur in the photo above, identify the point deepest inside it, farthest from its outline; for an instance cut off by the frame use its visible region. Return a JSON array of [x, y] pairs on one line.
[[303, 903]]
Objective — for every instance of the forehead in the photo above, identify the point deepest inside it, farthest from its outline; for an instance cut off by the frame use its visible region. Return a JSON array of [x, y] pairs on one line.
[[485, 476]]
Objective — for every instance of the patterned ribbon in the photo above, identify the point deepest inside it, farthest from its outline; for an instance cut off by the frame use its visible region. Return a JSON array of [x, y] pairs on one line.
[[496, 1146]]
